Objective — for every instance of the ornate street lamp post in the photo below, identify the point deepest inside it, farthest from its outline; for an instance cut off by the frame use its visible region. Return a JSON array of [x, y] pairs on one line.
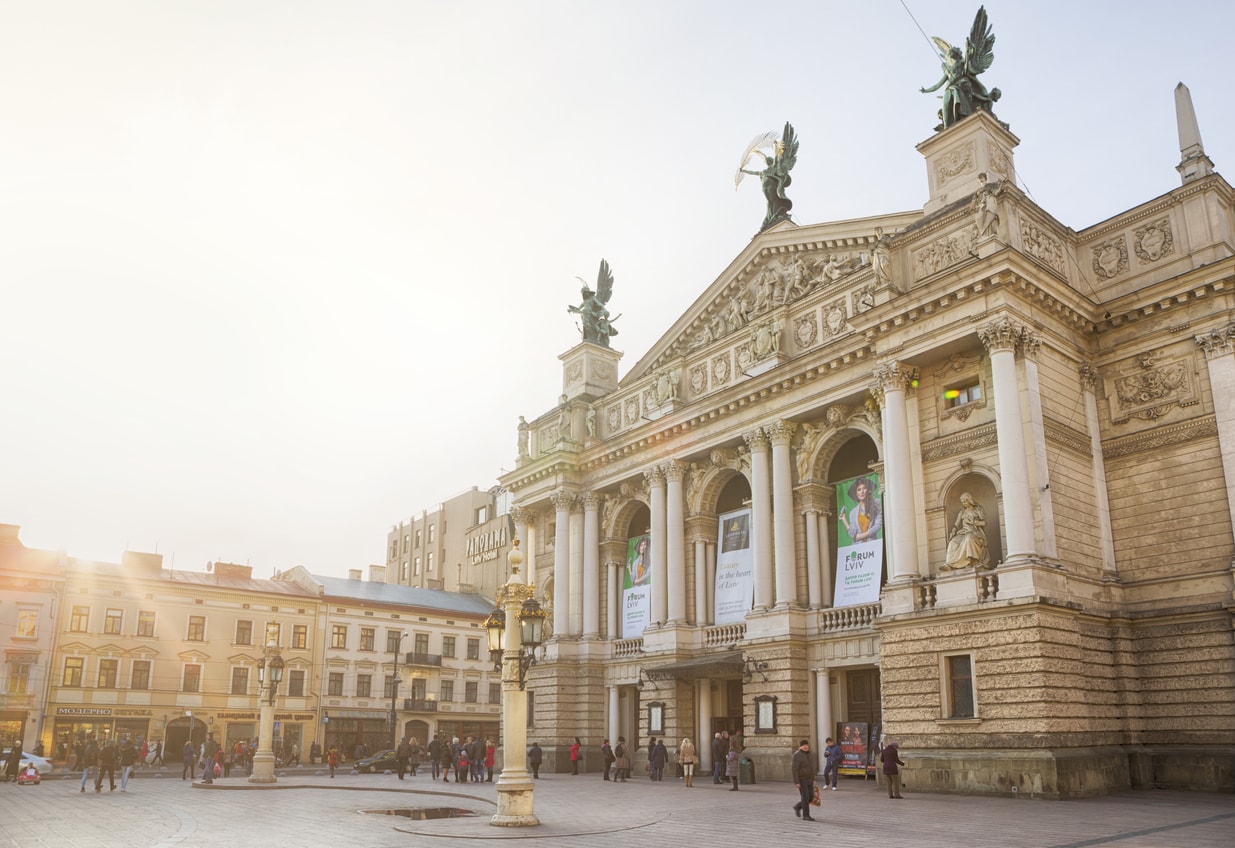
[[268, 685], [515, 630]]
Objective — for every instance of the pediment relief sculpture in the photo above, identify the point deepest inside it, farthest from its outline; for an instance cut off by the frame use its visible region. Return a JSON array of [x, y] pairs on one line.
[[664, 387]]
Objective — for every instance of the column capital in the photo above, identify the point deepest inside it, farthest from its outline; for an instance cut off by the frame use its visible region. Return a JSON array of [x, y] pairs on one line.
[[1219, 343], [895, 376], [655, 475], [1031, 344], [1088, 374], [674, 471], [756, 440], [780, 432], [523, 515], [562, 499], [591, 501], [1001, 335]]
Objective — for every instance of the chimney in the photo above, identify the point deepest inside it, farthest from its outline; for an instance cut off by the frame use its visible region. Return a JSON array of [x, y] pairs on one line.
[[353, 574], [377, 574]]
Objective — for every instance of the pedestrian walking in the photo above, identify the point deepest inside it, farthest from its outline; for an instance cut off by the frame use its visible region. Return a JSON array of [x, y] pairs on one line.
[[402, 754], [832, 756], [719, 749], [687, 758], [607, 758], [128, 756], [413, 760], [88, 759], [731, 765], [534, 758], [158, 754], [332, 758], [108, 755], [490, 757], [576, 751], [891, 759], [804, 779], [209, 749], [189, 759], [657, 755], [434, 749], [13, 766], [621, 760]]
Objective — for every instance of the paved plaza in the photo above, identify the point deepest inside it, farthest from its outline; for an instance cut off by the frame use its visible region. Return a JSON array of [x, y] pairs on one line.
[[308, 809]]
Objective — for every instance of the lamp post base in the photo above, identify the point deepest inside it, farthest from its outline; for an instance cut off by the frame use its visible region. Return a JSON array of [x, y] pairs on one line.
[[263, 768], [514, 804]]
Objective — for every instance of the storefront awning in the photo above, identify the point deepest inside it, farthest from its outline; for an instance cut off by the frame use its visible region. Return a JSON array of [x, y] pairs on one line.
[[728, 664]]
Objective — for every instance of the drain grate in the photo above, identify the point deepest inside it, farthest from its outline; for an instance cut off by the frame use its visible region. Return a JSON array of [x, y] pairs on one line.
[[423, 813]]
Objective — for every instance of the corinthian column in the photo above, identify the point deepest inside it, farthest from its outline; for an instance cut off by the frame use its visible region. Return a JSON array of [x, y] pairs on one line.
[[1105, 534], [660, 578], [675, 533], [1000, 338], [761, 526], [561, 562], [894, 379], [779, 434], [591, 567], [1219, 350]]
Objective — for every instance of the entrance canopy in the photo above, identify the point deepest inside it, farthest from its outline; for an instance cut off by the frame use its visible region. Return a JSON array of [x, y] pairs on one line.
[[728, 664]]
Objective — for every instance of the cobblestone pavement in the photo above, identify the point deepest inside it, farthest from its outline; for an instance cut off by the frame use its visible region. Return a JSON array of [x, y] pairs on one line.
[[308, 809]]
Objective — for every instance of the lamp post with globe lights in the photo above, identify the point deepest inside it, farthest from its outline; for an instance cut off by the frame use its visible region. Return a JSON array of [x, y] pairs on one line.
[[269, 674], [516, 630]]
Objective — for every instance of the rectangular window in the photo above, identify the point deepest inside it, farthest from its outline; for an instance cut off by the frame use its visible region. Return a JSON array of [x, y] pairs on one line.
[[418, 538], [495, 693], [430, 562], [295, 684], [240, 681], [334, 684], [448, 646], [140, 680], [197, 629], [19, 678], [113, 622], [419, 689], [405, 571], [364, 685], [482, 514], [448, 690], [961, 395], [407, 541], [192, 678], [338, 636], [107, 673], [244, 633], [73, 667], [471, 694], [388, 687], [473, 649], [366, 638], [27, 623], [79, 622], [422, 643], [393, 639], [432, 533], [300, 636], [960, 701], [416, 570], [145, 623]]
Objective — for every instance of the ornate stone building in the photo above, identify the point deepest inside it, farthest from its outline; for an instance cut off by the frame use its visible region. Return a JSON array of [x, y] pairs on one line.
[[1048, 413]]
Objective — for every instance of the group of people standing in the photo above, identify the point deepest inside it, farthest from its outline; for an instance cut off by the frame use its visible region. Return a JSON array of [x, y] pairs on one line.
[[103, 760], [472, 758]]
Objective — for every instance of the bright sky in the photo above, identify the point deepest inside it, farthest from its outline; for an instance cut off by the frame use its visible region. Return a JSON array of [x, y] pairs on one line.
[[277, 275]]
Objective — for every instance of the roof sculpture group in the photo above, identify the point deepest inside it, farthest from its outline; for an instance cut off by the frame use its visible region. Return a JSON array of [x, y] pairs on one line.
[[963, 94]]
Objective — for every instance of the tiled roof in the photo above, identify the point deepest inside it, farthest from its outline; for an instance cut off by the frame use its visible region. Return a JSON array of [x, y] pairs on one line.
[[409, 596]]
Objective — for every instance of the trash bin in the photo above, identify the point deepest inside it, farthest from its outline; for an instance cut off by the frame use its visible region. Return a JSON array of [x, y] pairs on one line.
[[746, 771]]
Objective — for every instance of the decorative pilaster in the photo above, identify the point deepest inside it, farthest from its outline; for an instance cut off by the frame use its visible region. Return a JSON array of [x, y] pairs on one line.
[[894, 379], [1219, 347], [1031, 345], [761, 525], [1000, 337], [675, 533], [1089, 377], [780, 434]]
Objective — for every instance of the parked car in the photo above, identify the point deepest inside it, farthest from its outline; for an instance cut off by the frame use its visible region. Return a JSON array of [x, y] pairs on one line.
[[381, 761], [41, 763]]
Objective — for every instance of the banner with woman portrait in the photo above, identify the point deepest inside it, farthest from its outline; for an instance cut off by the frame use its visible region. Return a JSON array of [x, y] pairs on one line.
[[637, 587], [735, 569], [859, 541]]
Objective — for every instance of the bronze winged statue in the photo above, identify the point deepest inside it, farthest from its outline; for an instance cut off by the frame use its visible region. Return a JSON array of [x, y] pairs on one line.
[[597, 325], [775, 176], [963, 93]]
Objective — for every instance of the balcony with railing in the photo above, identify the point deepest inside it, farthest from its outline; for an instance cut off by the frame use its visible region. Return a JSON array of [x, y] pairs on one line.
[[414, 658], [419, 705]]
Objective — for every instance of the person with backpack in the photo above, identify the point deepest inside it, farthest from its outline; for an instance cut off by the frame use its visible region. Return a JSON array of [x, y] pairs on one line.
[[621, 760]]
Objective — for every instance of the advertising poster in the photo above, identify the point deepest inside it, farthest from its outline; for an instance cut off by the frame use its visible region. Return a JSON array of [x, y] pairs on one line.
[[735, 569], [637, 587], [859, 541], [853, 748]]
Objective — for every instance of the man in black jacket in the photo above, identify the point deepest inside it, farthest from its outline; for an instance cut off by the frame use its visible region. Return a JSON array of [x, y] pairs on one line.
[[720, 748], [804, 779], [208, 751], [107, 763], [402, 754], [435, 752]]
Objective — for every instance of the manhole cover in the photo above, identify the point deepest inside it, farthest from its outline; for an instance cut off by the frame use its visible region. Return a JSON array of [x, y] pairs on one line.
[[422, 813]]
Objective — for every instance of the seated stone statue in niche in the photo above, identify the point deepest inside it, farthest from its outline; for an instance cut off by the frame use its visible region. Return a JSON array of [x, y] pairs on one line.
[[967, 542]]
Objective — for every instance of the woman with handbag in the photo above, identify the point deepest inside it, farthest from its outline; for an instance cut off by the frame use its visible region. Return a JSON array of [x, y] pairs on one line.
[[687, 757]]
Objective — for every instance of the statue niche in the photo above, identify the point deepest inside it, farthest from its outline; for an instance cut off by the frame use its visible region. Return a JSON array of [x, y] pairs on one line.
[[971, 531]]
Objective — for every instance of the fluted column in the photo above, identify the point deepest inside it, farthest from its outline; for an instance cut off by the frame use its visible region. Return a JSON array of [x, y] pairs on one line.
[[561, 562], [675, 534], [1219, 348], [761, 526], [659, 547], [1000, 338], [898, 514], [1106, 535], [779, 434], [591, 567], [615, 599]]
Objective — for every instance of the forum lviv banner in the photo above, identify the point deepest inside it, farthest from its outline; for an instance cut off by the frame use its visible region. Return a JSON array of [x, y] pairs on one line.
[[637, 587], [859, 541], [735, 569]]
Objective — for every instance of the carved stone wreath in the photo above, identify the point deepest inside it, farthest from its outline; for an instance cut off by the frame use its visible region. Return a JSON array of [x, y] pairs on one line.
[[1153, 241], [806, 333], [699, 379], [632, 410], [1110, 258], [720, 370], [615, 418]]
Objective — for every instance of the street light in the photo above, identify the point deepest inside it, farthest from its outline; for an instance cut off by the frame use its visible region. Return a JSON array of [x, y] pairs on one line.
[[517, 614], [394, 694], [268, 685]]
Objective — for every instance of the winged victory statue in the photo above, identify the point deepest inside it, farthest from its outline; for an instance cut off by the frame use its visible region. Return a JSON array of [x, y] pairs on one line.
[[597, 325], [963, 94], [782, 156]]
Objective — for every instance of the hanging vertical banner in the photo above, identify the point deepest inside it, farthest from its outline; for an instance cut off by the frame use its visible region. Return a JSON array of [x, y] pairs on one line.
[[859, 541], [637, 587], [735, 569]]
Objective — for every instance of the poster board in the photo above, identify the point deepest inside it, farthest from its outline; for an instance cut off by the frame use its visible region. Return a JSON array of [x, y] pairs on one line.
[[735, 568], [859, 540], [637, 587], [855, 755]]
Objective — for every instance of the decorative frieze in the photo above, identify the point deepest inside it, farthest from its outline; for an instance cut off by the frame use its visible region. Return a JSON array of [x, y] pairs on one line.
[[1069, 437], [1153, 387], [968, 442], [834, 319], [720, 370], [699, 378], [954, 163], [1153, 241], [1200, 428], [943, 253], [1110, 257], [1043, 246], [765, 340]]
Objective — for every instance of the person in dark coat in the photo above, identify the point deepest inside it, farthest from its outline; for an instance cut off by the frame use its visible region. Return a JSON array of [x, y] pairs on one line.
[[606, 757], [435, 753], [719, 749], [108, 756], [658, 755], [534, 758], [189, 759], [13, 766], [731, 765], [804, 779], [621, 760], [891, 759], [128, 757], [402, 754]]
